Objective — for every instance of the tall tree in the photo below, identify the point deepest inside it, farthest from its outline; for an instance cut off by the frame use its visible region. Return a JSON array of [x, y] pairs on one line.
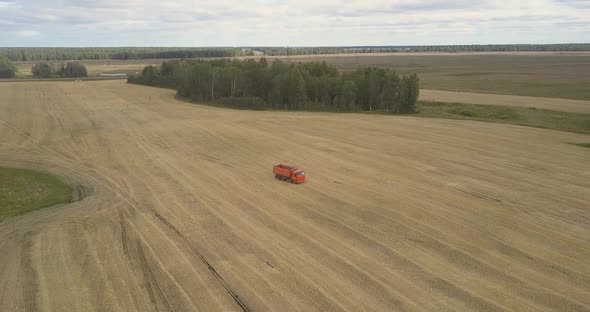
[[409, 92], [296, 93], [389, 96], [346, 97]]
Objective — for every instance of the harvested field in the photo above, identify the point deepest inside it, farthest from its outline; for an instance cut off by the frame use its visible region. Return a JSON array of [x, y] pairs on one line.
[[575, 106], [180, 210]]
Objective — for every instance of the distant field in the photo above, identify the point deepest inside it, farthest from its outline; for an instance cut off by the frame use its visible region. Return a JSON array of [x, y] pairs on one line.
[[549, 74], [557, 75]]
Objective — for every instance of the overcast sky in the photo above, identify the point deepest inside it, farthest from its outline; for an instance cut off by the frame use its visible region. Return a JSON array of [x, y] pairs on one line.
[[290, 22]]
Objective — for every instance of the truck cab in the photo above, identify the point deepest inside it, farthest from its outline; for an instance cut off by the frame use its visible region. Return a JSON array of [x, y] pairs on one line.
[[298, 176]]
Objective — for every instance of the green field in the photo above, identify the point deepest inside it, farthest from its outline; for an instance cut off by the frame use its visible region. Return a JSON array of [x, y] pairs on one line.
[[541, 118], [22, 191], [582, 144]]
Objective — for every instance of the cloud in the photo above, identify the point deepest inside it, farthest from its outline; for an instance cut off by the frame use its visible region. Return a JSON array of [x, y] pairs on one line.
[[291, 22], [28, 33]]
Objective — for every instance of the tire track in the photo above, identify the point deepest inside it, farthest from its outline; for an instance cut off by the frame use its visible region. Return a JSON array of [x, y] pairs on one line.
[[228, 288]]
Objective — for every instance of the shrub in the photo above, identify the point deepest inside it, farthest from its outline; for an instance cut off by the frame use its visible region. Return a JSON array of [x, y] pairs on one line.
[[462, 112], [504, 113], [243, 102], [7, 68], [72, 70], [43, 70]]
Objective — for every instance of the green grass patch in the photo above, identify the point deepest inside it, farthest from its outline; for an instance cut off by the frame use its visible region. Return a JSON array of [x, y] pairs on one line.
[[470, 74], [22, 191], [542, 118], [508, 87]]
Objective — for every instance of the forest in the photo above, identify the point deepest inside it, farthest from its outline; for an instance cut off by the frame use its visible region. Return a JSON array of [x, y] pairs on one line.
[[127, 53], [251, 84], [279, 51], [124, 53]]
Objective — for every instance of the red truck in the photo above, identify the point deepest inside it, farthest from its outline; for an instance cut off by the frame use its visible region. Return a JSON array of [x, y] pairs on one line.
[[288, 173]]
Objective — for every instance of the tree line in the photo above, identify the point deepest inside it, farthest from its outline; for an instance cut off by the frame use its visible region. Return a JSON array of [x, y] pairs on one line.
[[254, 84], [67, 70], [44, 70], [280, 51], [178, 54], [124, 53], [127, 53]]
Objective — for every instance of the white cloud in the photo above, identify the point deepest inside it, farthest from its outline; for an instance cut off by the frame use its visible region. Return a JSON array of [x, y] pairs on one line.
[[28, 33], [291, 22]]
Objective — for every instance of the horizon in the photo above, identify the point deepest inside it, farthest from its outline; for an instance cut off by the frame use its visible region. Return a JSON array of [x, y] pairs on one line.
[[302, 46]]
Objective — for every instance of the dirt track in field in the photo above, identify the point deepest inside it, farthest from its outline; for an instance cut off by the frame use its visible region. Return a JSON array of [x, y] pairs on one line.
[[566, 105], [180, 210]]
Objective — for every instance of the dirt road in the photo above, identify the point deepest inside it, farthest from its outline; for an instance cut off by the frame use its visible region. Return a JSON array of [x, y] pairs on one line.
[[566, 105], [180, 210]]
